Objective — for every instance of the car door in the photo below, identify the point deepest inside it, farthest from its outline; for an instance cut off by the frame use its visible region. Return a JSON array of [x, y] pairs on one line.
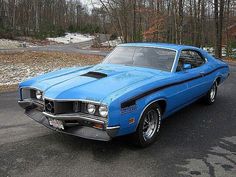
[[195, 75]]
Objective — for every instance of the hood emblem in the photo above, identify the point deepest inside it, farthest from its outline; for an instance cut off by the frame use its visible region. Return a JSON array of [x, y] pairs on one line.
[[49, 107]]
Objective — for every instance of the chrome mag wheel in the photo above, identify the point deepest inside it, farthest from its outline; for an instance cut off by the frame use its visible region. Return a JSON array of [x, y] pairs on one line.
[[210, 97], [149, 126], [213, 93], [151, 123]]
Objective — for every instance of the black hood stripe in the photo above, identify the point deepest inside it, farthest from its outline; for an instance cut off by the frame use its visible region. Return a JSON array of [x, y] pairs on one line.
[[133, 100]]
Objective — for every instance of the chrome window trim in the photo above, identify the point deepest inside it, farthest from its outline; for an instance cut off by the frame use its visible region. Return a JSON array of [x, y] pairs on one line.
[[156, 47], [195, 50]]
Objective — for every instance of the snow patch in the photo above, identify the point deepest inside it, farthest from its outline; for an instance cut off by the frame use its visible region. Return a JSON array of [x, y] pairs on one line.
[[72, 38], [9, 44]]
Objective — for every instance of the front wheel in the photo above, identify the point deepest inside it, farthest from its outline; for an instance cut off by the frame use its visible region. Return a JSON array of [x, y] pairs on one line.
[[149, 126], [211, 94]]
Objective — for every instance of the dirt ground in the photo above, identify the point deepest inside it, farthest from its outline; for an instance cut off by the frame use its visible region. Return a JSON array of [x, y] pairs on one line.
[[15, 67]]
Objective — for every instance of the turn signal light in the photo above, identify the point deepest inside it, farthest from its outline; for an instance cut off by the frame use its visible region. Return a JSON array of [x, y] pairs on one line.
[[98, 126]]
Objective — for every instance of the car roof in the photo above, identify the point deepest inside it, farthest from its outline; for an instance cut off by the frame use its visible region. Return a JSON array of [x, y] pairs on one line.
[[161, 45]]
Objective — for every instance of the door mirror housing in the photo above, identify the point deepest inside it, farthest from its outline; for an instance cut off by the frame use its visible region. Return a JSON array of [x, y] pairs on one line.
[[187, 66]]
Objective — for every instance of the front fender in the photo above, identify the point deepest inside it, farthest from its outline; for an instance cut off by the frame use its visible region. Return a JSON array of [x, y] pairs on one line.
[[128, 118]]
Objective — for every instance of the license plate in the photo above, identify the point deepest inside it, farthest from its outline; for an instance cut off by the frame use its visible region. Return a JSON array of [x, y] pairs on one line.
[[56, 123]]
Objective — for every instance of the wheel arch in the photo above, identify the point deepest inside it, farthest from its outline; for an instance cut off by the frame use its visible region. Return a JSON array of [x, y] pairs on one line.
[[161, 102], [218, 80]]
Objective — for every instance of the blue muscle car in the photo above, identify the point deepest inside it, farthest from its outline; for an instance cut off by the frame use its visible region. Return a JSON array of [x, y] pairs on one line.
[[130, 92]]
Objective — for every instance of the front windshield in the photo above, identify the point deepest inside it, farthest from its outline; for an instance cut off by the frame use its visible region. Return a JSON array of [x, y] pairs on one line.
[[158, 58]]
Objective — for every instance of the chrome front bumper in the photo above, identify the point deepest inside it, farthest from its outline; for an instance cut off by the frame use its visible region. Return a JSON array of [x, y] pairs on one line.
[[34, 111]]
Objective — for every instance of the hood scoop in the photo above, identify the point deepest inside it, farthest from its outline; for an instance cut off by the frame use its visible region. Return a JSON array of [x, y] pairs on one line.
[[96, 75]]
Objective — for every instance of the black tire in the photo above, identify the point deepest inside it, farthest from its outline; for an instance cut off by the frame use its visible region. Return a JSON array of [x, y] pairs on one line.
[[141, 137], [211, 95]]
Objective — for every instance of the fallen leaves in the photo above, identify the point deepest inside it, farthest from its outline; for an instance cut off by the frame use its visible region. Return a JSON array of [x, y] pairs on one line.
[[15, 67]]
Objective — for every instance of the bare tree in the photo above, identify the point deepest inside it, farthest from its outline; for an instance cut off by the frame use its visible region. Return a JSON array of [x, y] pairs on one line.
[[195, 22]]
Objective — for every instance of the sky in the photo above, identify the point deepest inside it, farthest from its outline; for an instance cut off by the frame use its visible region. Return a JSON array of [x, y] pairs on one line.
[[89, 4]]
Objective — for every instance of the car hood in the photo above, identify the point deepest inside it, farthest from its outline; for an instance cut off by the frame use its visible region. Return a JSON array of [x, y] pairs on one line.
[[90, 83]]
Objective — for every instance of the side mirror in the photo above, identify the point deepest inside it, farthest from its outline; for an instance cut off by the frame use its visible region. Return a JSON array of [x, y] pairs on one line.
[[187, 66]]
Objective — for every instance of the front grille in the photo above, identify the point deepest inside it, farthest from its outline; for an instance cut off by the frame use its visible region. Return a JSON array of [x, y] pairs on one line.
[[56, 106], [67, 107], [62, 107]]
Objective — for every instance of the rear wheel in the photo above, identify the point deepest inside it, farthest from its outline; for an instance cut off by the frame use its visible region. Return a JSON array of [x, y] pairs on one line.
[[211, 94], [149, 126]]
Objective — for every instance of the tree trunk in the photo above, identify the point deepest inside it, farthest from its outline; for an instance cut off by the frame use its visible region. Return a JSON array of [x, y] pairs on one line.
[[227, 31], [181, 16], [36, 15], [221, 19], [134, 20], [219, 16]]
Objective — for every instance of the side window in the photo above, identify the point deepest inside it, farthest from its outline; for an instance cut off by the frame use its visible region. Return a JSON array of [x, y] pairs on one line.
[[190, 57]]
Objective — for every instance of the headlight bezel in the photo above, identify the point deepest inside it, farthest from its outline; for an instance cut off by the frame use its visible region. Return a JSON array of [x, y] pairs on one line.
[[31, 93], [92, 108], [97, 108], [38, 95], [104, 109]]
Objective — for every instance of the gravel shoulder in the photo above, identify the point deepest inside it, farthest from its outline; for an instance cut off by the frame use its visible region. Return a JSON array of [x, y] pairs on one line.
[[18, 66]]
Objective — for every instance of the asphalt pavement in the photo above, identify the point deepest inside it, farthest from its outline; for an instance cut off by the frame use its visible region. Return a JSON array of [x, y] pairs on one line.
[[199, 140], [81, 47]]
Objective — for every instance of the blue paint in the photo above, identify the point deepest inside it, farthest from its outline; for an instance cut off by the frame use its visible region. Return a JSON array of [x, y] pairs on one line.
[[125, 82]]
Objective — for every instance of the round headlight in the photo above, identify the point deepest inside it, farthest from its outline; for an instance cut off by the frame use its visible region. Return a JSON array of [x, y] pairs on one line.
[[103, 111], [91, 108], [38, 95]]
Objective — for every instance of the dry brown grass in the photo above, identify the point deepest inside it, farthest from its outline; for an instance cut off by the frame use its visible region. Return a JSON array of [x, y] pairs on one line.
[[60, 58], [229, 59], [17, 65]]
